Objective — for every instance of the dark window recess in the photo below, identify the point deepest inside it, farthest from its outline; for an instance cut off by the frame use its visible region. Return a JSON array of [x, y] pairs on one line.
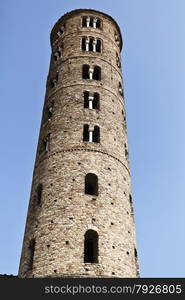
[[96, 134], [39, 194], [91, 44], [97, 73], [98, 46], [91, 22], [49, 111], [31, 250], [91, 184], [135, 253], [53, 81], [86, 133], [83, 43], [61, 30], [85, 72], [98, 24], [91, 247], [120, 89], [58, 53], [86, 99], [118, 60], [96, 101], [84, 23], [126, 152], [45, 144]]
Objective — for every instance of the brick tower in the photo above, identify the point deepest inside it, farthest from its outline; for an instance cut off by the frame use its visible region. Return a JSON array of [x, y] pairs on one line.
[[80, 217]]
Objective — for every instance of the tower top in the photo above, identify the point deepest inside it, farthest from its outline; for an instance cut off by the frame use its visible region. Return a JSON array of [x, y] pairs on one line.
[[79, 11]]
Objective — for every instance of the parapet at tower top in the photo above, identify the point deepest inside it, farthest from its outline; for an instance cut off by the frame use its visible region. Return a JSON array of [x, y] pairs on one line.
[[79, 11]]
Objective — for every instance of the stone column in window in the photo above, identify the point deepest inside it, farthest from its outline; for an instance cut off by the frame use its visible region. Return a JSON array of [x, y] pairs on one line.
[[94, 22], [54, 82], [91, 134], [91, 98], [88, 21], [58, 33], [57, 55], [87, 41], [94, 45], [91, 71]]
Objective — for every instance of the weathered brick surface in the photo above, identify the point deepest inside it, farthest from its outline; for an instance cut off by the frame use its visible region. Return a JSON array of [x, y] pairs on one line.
[[66, 212]]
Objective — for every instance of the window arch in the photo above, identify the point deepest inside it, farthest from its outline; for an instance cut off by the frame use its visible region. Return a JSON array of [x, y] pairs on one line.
[[91, 246], [97, 73], [96, 134], [84, 44], [86, 133], [96, 102], [45, 144], [98, 46], [86, 99], [91, 184], [85, 72], [49, 111]]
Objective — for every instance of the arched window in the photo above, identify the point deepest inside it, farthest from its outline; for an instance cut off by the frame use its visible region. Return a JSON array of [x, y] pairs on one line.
[[131, 204], [91, 184], [49, 111], [97, 73], [126, 151], [45, 143], [98, 46], [31, 250], [96, 134], [96, 101], [84, 44], [86, 99], [91, 44], [39, 194], [91, 22], [58, 53], [86, 133], [91, 247], [53, 81], [85, 72], [120, 89], [61, 30], [98, 23]]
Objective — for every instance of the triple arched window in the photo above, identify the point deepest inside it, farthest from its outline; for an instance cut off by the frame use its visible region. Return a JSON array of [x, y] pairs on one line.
[[88, 21], [91, 44]]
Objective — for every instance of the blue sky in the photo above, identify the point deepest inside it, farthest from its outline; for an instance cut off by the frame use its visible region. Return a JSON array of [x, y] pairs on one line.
[[153, 61]]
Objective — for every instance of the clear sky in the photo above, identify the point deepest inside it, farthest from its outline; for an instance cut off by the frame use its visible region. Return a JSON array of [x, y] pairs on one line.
[[153, 60]]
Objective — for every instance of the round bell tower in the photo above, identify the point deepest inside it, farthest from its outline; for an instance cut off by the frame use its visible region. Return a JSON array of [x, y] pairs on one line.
[[80, 218]]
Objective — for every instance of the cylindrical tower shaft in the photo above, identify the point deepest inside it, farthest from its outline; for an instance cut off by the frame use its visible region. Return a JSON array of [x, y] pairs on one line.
[[80, 216]]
